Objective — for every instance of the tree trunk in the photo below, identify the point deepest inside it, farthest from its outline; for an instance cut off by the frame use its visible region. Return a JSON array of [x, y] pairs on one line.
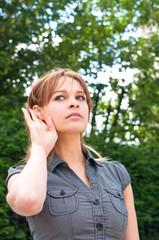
[[114, 124], [107, 117], [93, 121], [120, 98]]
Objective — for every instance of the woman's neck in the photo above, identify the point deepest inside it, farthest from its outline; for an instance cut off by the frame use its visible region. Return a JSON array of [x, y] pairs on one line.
[[68, 148]]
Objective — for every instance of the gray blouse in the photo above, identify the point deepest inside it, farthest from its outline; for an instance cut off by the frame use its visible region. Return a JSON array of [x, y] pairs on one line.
[[73, 211]]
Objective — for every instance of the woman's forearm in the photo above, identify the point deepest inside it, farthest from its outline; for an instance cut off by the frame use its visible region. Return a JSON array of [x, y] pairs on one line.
[[27, 190]]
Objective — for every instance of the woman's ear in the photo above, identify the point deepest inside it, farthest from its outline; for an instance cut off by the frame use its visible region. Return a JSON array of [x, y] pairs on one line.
[[37, 111]]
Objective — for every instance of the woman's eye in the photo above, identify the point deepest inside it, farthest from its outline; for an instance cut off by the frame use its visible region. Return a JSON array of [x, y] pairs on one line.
[[60, 97], [80, 97]]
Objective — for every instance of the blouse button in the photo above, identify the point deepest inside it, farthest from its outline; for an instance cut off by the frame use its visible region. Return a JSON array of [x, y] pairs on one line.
[[62, 192], [96, 201], [99, 226]]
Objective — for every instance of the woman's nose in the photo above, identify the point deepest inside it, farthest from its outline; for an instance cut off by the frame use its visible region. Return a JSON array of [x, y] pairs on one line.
[[74, 104]]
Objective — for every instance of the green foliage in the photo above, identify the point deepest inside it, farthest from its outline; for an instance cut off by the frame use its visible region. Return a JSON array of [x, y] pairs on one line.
[[13, 141]]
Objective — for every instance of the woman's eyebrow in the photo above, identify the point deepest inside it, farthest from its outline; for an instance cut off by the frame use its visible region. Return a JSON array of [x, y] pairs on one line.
[[64, 91], [79, 91]]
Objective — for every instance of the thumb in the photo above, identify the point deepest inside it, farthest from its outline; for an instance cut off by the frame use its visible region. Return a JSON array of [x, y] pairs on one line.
[[50, 124]]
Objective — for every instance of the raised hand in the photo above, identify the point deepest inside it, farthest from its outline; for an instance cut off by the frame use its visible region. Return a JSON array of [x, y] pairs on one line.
[[41, 133]]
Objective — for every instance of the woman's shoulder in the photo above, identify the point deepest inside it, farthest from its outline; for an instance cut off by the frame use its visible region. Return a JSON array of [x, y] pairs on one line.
[[110, 163], [113, 164], [14, 170], [117, 170]]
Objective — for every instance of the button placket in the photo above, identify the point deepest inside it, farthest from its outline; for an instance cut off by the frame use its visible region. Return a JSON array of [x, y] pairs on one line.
[[94, 195]]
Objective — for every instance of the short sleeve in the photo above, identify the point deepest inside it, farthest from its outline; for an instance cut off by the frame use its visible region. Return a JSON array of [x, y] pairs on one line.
[[13, 170], [122, 174]]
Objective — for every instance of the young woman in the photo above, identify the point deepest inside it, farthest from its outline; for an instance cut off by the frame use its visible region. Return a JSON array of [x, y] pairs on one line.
[[63, 192]]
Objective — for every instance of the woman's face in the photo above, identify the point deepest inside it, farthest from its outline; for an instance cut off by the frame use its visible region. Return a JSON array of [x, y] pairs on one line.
[[67, 107]]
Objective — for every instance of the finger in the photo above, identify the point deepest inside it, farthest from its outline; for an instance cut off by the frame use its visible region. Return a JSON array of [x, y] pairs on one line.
[[34, 116], [50, 124], [26, 116]]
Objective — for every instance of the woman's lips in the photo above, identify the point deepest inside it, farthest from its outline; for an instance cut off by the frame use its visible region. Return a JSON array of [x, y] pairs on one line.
[[74, 116]]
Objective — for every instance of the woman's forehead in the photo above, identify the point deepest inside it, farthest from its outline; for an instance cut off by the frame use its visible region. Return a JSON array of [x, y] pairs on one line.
[[68, 84]]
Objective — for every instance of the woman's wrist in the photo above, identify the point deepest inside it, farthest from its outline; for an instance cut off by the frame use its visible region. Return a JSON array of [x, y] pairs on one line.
[[38, 150]]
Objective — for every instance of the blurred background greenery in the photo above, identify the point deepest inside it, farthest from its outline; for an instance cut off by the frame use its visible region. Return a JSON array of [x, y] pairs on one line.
[[91, 37]]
